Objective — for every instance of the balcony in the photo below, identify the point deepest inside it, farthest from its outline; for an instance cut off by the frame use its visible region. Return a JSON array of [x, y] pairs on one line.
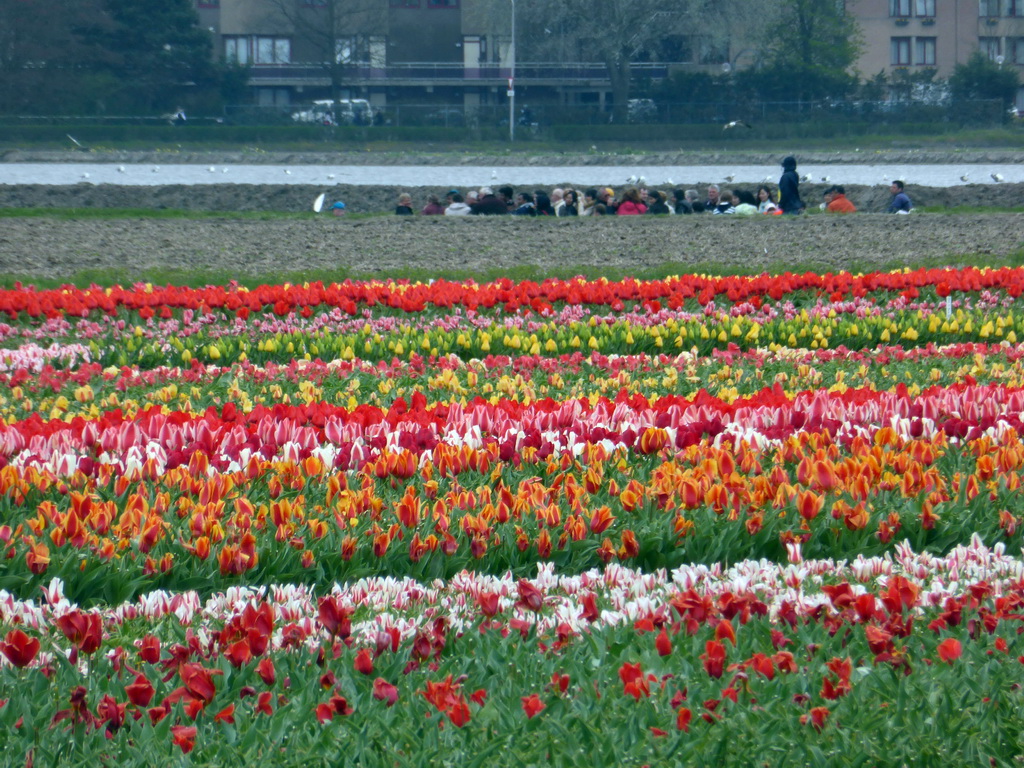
[[428, 73]]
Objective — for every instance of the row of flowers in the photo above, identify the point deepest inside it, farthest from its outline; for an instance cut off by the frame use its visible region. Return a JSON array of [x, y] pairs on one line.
[[152, 344], [303, 493], [415, 297], [813, 646], [90, 389]]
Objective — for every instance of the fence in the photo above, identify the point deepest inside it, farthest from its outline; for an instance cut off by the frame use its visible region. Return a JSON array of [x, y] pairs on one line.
[[645, 111]]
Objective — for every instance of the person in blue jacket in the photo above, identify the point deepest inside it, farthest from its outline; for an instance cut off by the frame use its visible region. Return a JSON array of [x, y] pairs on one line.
[[900, 200]]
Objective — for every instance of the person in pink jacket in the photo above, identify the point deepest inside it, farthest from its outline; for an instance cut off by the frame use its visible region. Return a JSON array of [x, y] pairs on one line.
[[631, 204]]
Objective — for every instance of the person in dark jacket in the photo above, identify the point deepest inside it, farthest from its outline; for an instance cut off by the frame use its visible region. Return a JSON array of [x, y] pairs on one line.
[[789, 188], [656, 202], [488, 204], [525, 205], [404, 207], [680, 203]]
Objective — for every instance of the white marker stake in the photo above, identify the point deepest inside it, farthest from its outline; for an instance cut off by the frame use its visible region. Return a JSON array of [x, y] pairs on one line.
[[949, 307]]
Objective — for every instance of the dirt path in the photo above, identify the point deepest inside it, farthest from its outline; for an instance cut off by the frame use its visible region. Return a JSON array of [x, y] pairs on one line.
[[52, 247]]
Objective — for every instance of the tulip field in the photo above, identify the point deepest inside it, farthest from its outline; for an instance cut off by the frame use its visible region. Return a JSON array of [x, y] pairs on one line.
[[768, 520]]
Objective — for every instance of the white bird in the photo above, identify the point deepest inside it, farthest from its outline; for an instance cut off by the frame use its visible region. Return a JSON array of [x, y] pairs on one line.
[[85, 175], [730, 177], [330, 175], [631, 179], [287, 172], [642, 181], [223, 170], [494, 174], [965, 177], [805, 177], [156, 169], [593, 147], [211, 169], [669, 182], [826, 179], [120, 169], [997, 177], [766, 180], [736, 124]]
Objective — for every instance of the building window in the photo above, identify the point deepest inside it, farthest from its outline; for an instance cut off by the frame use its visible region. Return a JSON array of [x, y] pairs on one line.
[[924, 8], [924, 51], [273, 50], [989, 46], [900, 8], [236, 50], [1018, 50], [344, 48], [988, 7], [442, 3], [899, 48], [1015, 8], [405, 3]]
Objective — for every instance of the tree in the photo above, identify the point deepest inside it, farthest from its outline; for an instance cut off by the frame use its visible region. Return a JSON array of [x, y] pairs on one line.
[[333, 33], [50, 55], [164, 56], [809, 48], [614, 32], [981, 79]]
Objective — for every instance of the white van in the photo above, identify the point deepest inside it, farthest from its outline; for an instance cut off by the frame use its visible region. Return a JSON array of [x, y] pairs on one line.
[[324, 112]]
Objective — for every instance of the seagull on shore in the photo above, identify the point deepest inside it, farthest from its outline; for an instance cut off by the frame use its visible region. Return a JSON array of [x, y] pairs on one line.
[[288, 172], [330, 176], [730, 177], [805, 177], [736, 124], [669, 182], [211, 169], [120, 169], [494, 174], [826, 179], [156, 169], [997, 177], [965, 177], [85, 175], [631, 179]]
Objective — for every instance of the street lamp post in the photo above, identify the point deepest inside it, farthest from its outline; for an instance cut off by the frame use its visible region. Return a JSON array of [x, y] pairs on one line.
[[512, 80]]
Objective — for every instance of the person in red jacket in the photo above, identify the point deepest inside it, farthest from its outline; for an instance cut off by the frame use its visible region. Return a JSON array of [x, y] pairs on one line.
[[631, 204], [836, 202]]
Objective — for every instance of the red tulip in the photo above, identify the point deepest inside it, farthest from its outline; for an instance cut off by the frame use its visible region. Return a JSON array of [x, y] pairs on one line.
[[265, 669], [19, 648], [949, 650], [385, 691], [364, 662], [532, 705], [140, 692], [663, 644], [184, 736], [714, 658], [683, 717]]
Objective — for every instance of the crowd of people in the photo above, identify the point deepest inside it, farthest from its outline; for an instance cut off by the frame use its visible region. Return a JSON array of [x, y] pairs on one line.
[[636, 200]]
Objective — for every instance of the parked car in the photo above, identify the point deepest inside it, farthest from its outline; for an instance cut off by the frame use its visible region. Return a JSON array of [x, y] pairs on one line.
[[326, 112]]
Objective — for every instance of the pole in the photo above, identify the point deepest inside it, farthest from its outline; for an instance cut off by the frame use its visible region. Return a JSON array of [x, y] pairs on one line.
[[512, 80]]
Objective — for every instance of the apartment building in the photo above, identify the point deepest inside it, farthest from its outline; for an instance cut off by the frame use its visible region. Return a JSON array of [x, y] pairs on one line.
[[914, 35], [459, 52]]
